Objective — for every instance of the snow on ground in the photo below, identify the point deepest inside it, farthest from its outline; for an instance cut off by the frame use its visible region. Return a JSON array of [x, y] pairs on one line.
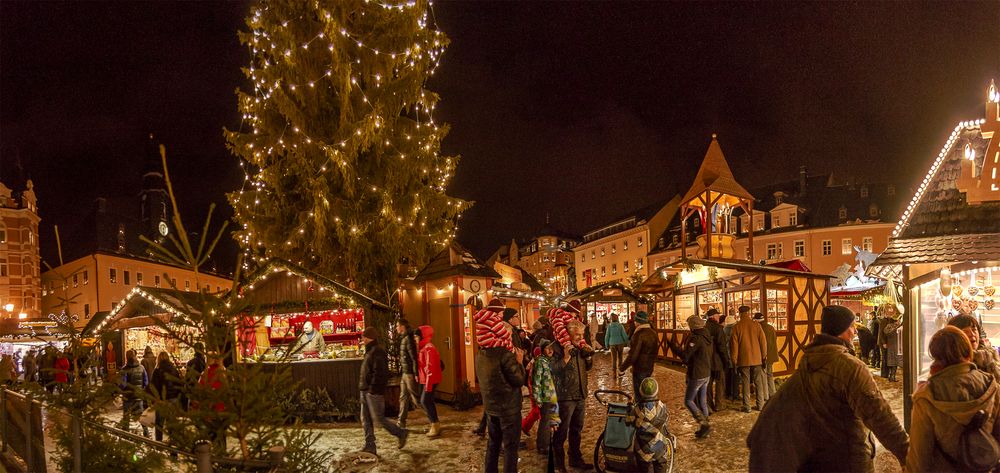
[[458, 450]]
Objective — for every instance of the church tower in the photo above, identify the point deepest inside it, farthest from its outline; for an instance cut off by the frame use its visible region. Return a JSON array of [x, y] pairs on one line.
[[155, 204]]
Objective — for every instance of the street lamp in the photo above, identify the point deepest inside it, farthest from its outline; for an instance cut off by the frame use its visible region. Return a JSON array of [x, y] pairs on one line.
[[9, 307]]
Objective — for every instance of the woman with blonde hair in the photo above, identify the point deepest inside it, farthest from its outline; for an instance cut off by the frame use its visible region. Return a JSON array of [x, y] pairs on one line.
[[947, 402]]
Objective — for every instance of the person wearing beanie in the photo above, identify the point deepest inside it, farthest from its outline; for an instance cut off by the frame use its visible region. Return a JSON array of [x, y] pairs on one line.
[[501, 373], [749, 348], [650, 416], [772, 353], [820, 418], [643, 348], [570, 370], [543, 395], [696, 352], [517, 335], [373, 380], [615, 339], [721, 360]]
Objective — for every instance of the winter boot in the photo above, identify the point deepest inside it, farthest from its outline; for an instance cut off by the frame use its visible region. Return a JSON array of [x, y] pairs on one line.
[[434, 431], [703, 430]]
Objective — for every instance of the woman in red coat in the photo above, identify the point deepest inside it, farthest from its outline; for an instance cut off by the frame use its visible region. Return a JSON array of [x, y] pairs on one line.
[[429, 364], [61, 369]]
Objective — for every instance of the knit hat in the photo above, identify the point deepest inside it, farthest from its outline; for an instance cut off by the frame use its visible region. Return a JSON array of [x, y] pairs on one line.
[[537, 352], [496, 305], [711, 312], [544, 320], [371, 333], [574, 306], [758, 317], [695, 322], [641, 317], [544, 342], [743, 308], [648, 389], [836, 319], [508, 314]]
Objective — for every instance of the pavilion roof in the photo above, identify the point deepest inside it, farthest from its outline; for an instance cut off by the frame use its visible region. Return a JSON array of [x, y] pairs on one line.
[[715, 177]]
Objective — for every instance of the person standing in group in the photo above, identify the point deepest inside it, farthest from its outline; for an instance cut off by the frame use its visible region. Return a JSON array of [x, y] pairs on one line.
[[749, 349], [615, 339], [30, 366], [882, 341], [518, 337], [602, 331], [7, 372], [430, 375], [409, 392], [956, 395], [630, 325], [570, 373], [60, 370], [595, 332], [696, 351], [214, 381], [643, 348], [148, 360], [193, 371], [543, 390], [134, 380], [501, 373], [890, 329], [817, 421], [543, 333], [650, 418], [867, 341], [772, 354], [983, 356], [874, 325], [165, 386], [373, 380], [721, 361]]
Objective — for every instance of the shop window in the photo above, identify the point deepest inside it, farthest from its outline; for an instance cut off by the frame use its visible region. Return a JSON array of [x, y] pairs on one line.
[[125, 278], [113, 275], [777, 308], [800, 248], [138, 278], [827, 247], [664, 315], [846, 247], [685, 307], [867, 243], [749, 298]]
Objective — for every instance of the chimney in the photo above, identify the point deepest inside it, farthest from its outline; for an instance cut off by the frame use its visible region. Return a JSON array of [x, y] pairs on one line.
[[802, 180]]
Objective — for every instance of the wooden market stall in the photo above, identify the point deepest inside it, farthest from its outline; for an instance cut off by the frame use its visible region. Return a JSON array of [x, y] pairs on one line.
[[282, 297], [945, 249], [609, 298], [445, 294], [791, 300], [520, 291]]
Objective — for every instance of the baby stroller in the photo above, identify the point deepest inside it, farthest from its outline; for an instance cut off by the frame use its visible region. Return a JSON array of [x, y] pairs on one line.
[[615, 448]]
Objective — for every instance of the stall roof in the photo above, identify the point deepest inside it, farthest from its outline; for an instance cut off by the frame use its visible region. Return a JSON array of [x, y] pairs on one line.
[[455, 260], [593, 292], [657, 282], [530, 280], [279, 265], [154, 301], [714, 175]]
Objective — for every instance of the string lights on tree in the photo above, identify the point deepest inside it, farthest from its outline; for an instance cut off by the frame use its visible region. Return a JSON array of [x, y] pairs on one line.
[[340, 150]]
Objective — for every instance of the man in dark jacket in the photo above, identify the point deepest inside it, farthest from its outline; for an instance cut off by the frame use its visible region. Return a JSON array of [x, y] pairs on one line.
[[696, 352], [874, 326], [643, 348], [501, 375], [772, 353], [374, 377], [133, 382], [409, 391], [721, 360], [819, 420], [570, 374], [544, 333]]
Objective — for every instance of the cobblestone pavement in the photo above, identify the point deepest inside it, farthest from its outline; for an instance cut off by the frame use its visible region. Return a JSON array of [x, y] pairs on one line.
[[458, 450]]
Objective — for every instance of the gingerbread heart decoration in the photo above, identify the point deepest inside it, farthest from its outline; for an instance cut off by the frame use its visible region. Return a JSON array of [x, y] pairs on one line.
[[956, 290], [989, 290], [973, 305], [973, 290], [956, 303], [988, 304]]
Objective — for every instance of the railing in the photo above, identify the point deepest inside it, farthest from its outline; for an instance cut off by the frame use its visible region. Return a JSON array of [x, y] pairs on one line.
[[22, 433]]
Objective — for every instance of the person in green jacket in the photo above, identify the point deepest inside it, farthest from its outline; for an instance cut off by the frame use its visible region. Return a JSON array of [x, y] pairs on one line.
[[543, 388], [615, 340]]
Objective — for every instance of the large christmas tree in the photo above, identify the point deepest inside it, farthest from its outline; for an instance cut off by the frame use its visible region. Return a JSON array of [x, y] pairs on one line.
[[338, 142]]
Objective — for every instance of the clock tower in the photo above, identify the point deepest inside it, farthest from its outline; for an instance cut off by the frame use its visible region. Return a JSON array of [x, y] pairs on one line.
[[155, 204]]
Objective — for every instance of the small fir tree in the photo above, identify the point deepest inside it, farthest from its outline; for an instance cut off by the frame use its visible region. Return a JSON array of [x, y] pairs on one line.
[[344, 174]]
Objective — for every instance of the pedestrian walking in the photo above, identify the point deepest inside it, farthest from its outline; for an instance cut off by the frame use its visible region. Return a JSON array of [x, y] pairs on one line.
[[30, 366], [819, 418], [543, 391], [697, 351], [643, 348], [772, 353], [602, 331], [957, 400], [409, 392], [165, 386], [984, 357], [652, 435], [373, 380], [615, 340], [60, 371], [193, 371], [595, 332], [721, 361], [8, 375], [430, 375], [749, 349], [501, 373], [133, 382], [570, 373]]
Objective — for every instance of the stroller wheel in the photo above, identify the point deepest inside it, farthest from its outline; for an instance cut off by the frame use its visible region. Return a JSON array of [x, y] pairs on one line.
[[600, 465]]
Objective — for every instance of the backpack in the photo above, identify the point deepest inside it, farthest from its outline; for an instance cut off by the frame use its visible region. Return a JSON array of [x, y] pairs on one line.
[[978, 451]]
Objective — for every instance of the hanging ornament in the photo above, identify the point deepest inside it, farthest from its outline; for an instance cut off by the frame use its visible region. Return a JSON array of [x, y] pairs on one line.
[[956, 289], [989, 290], [973, 290], [944, 283], [988, 304]]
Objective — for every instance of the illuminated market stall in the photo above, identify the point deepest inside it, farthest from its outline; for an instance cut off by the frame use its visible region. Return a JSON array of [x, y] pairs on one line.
[[609, 298], [945, 248]]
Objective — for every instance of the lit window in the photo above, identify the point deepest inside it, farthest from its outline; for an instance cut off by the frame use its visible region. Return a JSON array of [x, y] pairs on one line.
[[593, 254], [602, 251], [772, 251], [827, 247], [138, 279], [156, 281], [638, 264], [614, 269], [846, 247], [76, 282], [625, 245], [625, 266], [775, 220], [640, 242], [86, 278], [86, 311], [3, 236], [614, 249], [113, 275], [187, 285], [867, 243], [604, 272], [800, 248]]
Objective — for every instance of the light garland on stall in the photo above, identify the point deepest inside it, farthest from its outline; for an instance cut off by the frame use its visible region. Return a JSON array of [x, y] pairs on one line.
[[952, 139]]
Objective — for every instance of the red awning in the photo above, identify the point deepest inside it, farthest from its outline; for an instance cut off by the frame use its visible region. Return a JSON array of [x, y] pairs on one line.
[[794, 264]]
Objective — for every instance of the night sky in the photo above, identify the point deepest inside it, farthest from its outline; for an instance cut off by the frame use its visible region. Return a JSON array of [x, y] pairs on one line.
[[583, 111]]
